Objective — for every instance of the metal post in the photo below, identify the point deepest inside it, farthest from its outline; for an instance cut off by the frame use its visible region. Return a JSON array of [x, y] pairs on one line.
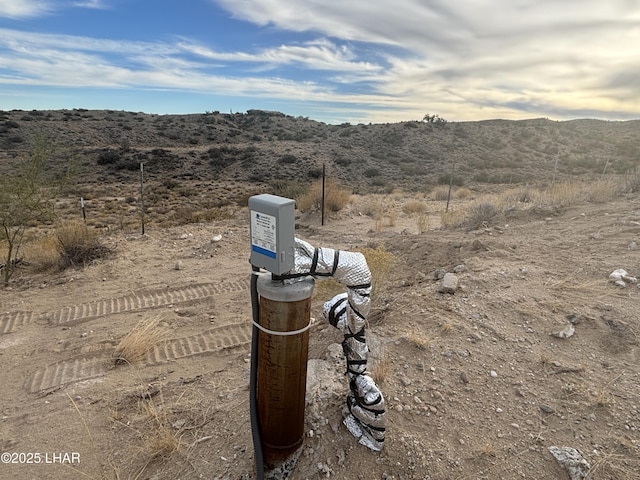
[[142, 195], [453, 167], [283, 347], [84, 213], [323, 183]]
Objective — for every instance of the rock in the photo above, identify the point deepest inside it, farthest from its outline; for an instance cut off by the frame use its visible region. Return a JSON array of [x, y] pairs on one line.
[[632, 246], [449, 283], [567, 332], [179, 265], [439, 274], [547, 408], [572, 461], [216, 238], [493, 374], [621, 277], [323, 382], [459, 269]]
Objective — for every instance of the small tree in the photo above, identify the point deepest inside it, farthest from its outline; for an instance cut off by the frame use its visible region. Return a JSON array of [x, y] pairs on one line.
[[436, 119], [26, 197]]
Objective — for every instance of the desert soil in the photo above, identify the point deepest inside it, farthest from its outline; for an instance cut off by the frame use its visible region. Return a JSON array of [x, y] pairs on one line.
[[476, 383]]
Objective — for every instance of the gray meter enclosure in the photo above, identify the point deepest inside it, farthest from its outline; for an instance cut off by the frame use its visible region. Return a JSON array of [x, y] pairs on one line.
[[272, 230]]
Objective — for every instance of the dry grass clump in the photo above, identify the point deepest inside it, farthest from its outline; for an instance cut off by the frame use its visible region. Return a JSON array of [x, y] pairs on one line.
[[477, 214], [604, 398], [380, 369], [602, 190], [519, 195], [79, 245], [326, 288], [480, 214], [441, 192], [423, 222], [452, 218], [381, 262], [463, 193], [43, 253], [136, 345], [631, 180], [336, 197], [562, 195], [161, 441], [609, 465], [417, 340], [415, 206]]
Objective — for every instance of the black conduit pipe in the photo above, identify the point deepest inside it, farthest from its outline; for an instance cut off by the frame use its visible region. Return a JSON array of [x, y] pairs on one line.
[[253, 378]]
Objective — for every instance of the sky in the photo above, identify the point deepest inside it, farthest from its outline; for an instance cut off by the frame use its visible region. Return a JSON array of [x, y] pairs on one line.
[[335, 61]]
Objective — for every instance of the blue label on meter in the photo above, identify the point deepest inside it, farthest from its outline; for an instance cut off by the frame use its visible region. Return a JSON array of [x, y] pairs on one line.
[[263, 251]]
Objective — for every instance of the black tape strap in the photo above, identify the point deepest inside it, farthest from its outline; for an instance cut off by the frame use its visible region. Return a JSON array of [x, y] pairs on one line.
[[355, 310], [364, 424], [314, 261], [336, 260], [359, 335], [334, 315], [358, 287]]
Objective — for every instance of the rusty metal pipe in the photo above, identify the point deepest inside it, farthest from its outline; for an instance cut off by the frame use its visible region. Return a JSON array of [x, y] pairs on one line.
[[283, 346]]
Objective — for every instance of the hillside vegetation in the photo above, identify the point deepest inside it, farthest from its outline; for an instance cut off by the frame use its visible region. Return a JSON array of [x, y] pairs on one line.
[[266, 147]]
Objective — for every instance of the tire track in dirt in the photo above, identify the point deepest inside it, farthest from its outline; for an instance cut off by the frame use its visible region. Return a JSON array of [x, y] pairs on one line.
[[75, 314], [11, 321], [214, 340], [56, 375]]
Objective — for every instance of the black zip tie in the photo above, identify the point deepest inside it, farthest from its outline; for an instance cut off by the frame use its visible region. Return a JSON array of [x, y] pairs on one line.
[[336, 259]]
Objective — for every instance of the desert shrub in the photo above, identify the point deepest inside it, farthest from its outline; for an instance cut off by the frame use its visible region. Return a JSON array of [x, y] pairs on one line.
[[602, 191], [456, 180], [170, 183], [562, 195], [287, 159], [289, 189], [632, 180], [314, 173], [463, 193], [381, 263], [440, 193], [336, 197], [519, 195], [43, 253], [371, 172], [415, 206], [452, 218], [481, 213], [79, 245], [108, 157], [423, 222]]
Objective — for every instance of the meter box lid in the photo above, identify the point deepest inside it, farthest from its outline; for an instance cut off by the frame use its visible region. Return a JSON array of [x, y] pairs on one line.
[[272, 230]]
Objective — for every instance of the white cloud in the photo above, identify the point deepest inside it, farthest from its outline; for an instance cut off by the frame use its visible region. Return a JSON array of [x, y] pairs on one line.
[[23, 8], [37, 8], [93, 4], [577, 55], [463, 60]]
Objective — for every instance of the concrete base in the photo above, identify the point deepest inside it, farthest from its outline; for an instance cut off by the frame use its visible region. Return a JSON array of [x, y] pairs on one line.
[[283, 471]]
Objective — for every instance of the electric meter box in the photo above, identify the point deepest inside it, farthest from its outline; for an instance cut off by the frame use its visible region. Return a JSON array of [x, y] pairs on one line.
[[272, 230]]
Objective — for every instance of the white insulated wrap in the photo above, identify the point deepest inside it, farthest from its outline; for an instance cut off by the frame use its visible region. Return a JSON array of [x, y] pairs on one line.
[[348, 312]]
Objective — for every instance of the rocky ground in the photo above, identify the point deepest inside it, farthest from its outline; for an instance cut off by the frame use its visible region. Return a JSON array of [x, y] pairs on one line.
[[533, 347]]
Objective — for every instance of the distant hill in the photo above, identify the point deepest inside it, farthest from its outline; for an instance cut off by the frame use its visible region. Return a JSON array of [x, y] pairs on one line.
[[263, 146]]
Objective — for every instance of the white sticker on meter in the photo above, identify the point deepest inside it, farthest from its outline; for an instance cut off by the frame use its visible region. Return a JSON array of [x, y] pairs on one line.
[[263, 233]]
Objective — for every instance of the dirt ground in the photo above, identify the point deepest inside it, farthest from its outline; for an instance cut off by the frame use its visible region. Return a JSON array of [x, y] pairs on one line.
[[478, 384]]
